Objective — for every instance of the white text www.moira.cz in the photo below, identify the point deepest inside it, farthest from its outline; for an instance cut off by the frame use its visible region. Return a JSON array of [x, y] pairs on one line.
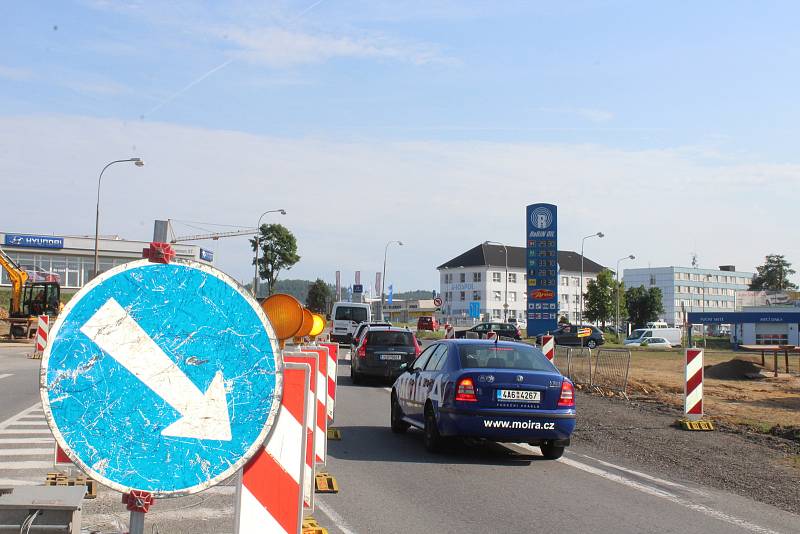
[[520, 425]]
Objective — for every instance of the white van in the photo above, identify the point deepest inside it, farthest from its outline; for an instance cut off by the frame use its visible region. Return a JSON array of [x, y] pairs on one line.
[[673, 335], [346, 316]]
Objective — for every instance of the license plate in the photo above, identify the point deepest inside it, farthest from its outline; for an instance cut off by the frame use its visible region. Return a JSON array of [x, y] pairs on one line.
[[391, 356], [518, 395]]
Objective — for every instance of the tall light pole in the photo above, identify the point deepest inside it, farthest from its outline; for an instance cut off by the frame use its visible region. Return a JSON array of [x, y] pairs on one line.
[[136, 161], [505, 250], [580, 317], [258, 238], [383, 279], [629, 257]]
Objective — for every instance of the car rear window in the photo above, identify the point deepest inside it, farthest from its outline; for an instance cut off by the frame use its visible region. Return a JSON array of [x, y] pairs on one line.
[[503, 357], [348, 313], [391, 339]]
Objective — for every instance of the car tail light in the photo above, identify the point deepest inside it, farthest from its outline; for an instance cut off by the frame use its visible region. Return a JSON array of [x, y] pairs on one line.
[[567, 399], [362, 349], [417, 349], [465, 390]]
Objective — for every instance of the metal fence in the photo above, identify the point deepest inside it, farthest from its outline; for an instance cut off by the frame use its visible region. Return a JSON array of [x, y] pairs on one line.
[[561, 359], [611, 369], [579, 368]]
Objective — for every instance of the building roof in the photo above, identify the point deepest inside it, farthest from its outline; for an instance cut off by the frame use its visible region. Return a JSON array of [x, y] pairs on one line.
[[494, 255]]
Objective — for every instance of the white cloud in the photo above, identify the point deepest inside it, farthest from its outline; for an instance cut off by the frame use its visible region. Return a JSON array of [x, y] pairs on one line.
[[347, 198], [278, 47]]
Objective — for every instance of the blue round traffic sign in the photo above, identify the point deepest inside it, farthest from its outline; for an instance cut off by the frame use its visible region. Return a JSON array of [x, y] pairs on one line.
[[161, 377]]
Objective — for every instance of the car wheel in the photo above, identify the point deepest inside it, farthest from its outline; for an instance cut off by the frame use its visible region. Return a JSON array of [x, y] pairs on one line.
[[433, 440], [398, 425], [591, 343], [552, 452], [355, 377]]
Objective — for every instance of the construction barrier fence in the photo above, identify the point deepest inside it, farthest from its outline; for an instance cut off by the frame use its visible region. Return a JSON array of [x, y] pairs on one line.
[[611, 368]]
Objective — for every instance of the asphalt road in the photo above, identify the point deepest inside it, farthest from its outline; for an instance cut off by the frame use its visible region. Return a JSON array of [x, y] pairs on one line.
[[389, 483]]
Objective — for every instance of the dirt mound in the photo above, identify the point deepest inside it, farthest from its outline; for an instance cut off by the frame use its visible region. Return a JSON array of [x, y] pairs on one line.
[[732, 370]]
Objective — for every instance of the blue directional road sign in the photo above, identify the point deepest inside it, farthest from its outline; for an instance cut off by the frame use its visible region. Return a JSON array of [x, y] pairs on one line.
[[475, 309], [163, 378]]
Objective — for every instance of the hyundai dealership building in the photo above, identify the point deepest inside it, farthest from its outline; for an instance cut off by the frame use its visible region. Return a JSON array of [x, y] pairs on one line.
[[69, 260]]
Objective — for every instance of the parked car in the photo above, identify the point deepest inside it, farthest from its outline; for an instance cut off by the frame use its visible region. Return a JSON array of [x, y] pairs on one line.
[[673, 335], [346, 317], [427, 322], [361, 328], [502, 392], [383, 352], [568, 335], [650, 342], [501, 329]]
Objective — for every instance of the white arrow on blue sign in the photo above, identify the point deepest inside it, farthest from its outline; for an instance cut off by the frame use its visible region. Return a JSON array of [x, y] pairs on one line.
[[163, 378]]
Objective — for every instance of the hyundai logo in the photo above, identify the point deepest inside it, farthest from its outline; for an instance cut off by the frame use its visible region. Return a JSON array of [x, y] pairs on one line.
[[16, 240]]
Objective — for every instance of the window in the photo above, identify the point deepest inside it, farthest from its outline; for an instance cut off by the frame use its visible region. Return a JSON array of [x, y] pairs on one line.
[[495, 314], [476, 295], [437, 358], [423, 358], [351, 313], [389, 338], [490, 356], [463, 295], [576, 299], [576, 281], [652, 279], [496, 296], [497, 277], [448, 296], [564, 280], [512, 296], [462, 277], [677, 276], [772, 339], [512, 278], [476, 277]]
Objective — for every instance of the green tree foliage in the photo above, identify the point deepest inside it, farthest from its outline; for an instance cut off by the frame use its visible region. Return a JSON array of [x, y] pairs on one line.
[[278, 252], [773, 275], [643, 305], [319, 295], [600, 304]]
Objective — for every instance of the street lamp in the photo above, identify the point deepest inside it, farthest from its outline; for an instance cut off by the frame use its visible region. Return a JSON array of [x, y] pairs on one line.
[[630, 257], [505, 250], [383, 280], [136, 161], [258, 237], [598, 234]]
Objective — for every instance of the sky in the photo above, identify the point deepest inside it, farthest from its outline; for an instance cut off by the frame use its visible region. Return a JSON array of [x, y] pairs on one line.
[[670, 127]]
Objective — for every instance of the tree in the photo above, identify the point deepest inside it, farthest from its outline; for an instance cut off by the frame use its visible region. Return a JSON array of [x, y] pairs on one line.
[[600, 303], [278, 251], [319, 294], [773, 275], [643, 305]]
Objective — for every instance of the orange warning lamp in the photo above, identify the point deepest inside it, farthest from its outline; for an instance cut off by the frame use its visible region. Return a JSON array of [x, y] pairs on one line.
[[319, 326], [285, 313]]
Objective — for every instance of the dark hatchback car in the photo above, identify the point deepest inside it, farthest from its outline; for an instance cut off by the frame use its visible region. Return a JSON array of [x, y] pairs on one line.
[[568, 335], [501, 329], [382, 353]]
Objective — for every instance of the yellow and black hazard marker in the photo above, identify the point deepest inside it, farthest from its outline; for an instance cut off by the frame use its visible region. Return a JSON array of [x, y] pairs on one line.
[[701, 425], [334, 434], [60, 479], [325, 483], [310, 526]]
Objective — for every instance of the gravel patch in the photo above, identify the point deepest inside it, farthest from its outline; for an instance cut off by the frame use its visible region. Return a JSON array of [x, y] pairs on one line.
[[758, 466]]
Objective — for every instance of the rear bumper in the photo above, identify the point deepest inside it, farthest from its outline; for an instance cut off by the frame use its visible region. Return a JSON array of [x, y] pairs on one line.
[[388, 369], [342, 338], [501, 425]]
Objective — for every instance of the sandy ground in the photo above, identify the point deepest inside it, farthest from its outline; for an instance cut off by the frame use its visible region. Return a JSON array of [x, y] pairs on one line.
[[730, 396]]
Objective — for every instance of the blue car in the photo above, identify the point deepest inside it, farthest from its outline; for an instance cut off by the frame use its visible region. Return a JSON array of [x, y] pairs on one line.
[[492, 390]]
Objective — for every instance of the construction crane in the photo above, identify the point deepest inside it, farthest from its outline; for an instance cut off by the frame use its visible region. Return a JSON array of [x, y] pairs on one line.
[[215, 236], [29, 298]]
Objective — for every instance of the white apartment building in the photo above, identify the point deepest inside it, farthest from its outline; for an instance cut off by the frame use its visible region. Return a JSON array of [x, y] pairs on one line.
[[691, 289], [479, 275]]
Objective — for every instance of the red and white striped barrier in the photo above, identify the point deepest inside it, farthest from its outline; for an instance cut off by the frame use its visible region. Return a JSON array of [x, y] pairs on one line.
[[693, 392], [321, 441], [42, 329], [60, 459], [549, 346], [309, 359], [333, 359], [270, 490], [491, 334]]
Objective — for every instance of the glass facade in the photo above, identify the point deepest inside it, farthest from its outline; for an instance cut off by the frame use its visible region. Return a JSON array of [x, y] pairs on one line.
[[69, 271]]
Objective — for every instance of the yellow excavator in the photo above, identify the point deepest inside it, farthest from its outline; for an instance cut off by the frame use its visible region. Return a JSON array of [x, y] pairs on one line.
[[28, 299]]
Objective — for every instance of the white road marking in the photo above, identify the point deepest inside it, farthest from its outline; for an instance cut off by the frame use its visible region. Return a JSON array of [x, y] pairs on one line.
[[24, 413], [26, 452], [6, 375], [28, 423], [333, 516], [657, 492], [26, 431], [22, 441], [29, 464]]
